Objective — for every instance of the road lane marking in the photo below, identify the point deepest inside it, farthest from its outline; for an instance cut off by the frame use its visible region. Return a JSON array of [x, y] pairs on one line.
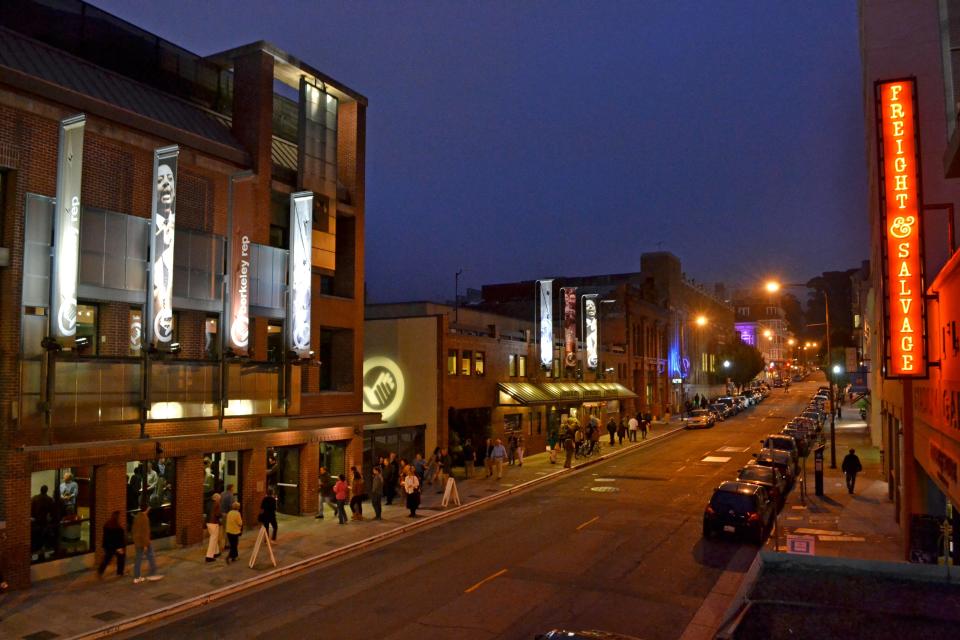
[[716, 459], [681, 468], [734, 449], [588, 522], [486, 580]]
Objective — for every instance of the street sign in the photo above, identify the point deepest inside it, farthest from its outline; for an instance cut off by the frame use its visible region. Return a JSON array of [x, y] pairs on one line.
[[801, 545]]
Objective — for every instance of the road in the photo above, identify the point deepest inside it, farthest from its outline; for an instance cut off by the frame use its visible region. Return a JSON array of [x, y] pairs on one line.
[[616, 546]]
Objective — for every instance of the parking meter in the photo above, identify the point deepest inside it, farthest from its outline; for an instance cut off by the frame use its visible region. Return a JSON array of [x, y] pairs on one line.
[[818, 469]]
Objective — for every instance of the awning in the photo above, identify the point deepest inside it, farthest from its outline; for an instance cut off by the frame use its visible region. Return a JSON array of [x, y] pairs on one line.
[[551, 392]]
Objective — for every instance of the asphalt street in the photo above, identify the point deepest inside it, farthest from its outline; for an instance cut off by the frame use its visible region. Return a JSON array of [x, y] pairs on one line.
[[616, 546]]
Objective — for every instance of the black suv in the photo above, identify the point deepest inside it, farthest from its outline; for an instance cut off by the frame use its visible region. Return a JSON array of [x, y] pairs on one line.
[[739, 507], [767, 477]]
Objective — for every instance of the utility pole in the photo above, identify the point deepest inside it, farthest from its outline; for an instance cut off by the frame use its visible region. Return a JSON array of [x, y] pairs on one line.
[[830, 377]]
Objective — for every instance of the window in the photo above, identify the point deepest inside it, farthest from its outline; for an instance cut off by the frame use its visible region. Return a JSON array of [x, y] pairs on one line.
[[452, 362], [135, 320], [60, 513], [522, 366], [211, 345], [220, 470], [466, 363], [771, 312], [743, 311], [478, 358], [512, 423], [336, 359], [87, 328], [512, 365], [274, 340], [152, 482]]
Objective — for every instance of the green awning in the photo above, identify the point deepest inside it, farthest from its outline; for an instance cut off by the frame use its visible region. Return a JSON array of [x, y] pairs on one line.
[[551, 392]]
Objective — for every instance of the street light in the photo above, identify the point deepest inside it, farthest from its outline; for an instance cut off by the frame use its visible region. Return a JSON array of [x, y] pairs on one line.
[[726, 364], [773, 286], [701, 321]]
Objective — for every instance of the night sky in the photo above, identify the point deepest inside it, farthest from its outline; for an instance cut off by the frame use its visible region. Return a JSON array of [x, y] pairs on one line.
[[518, 140]]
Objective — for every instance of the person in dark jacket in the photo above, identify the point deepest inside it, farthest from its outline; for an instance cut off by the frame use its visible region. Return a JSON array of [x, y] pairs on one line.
[[469, 458], [612, 430], [376, 492], [114, 544], [621, 431], [391, 477], [359, 494], [268, 513], [851, 467]]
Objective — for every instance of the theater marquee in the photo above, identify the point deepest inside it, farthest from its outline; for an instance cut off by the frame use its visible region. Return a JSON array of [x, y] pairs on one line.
[[905, 349]]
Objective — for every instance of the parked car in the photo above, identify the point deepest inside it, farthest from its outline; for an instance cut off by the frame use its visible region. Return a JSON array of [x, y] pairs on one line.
[[814, 415], [728, 400], [723, 409], [781, 460], [767, 477], [742, 401], [717, 411], [737, 508], [784, 442], [699, 419]]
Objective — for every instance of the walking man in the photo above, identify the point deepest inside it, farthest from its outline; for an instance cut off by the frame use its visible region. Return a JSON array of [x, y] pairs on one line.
[[499, 455], [851, 467], [233, 526], [644, 425], [488, 458], [568, 448], [612, 429], [633, 426], [391, 477], [376, 492], [141, 540], [268, 513], [114, 544], [326, 489], [469, 458]]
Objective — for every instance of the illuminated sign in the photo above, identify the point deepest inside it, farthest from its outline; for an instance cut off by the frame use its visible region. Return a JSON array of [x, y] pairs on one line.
[[66, 229], [238, 313], [159, 326], [591, 330], [545, 300], [298, 312], [382, 386], [906, 350], [569, 326]]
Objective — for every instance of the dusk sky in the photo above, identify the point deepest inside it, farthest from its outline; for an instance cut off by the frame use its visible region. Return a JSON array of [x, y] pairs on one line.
[[518, 140]]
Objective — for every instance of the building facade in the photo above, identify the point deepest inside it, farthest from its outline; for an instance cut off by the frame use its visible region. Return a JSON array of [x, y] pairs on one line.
[[762, 323], [201, 321], [911, 312]]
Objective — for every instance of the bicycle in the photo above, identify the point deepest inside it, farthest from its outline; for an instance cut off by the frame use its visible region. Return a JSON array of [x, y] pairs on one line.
[[586, 449]]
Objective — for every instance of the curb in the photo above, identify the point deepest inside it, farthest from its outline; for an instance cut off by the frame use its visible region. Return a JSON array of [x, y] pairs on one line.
[[221, 593]]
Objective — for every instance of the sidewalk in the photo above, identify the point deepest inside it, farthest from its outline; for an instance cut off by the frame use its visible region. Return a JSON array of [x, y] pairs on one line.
[[843, 525], [79, 604]]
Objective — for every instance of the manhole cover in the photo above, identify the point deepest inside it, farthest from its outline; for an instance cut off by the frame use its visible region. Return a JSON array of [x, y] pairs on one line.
[[605, 489], [604, 479]]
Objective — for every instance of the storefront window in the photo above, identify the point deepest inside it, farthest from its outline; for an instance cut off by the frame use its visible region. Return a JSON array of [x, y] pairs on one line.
[[452, 362], [211, 346], [60, 513], [221, 469], [152, 482], [86, 328], [478, 361], [465, 362], [512, 365], [522, 366]]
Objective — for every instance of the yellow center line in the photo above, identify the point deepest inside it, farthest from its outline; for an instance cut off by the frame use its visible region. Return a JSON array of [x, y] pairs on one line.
[[588, 522], [485, 580]]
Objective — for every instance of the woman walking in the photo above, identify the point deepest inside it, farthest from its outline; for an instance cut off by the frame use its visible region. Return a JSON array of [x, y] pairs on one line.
[[520, 450], [340, 492], [358, 490], [213, 527], [114, 544], [234, 526], [411, 486]]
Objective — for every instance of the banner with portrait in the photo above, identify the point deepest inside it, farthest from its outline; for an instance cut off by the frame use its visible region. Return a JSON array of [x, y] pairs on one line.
[[66, 229], [298, 312], [238, 285], [545, 302], [159, 325], [591, 331], [569, 327]]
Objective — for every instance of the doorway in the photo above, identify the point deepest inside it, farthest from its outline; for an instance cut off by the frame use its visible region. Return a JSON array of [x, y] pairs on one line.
[[283, 476]]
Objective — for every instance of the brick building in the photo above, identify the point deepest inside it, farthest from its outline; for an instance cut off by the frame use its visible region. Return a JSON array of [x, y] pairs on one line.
[[158, 402]]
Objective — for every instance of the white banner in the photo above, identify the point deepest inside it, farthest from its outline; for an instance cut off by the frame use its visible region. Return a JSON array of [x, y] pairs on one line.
[[546, 322], [66, 229], [159, 325], [591, 331], [238, 256], [298, 312]]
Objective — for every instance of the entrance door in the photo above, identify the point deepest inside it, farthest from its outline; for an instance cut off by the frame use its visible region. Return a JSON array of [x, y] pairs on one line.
[[333, 456], [283, 476]]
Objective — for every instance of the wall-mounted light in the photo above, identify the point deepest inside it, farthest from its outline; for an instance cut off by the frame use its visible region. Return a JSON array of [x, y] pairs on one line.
[[175, 347]]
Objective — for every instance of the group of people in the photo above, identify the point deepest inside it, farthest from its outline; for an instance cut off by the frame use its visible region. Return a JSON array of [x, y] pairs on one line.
[[225, 523], [573, 436]]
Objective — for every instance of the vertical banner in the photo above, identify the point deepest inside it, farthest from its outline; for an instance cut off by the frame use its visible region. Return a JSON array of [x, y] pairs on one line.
[[591, 330], [569, 326], [905, 353], [545, 305], [66, 229], [298, 313], [238, 286], [159, 324]]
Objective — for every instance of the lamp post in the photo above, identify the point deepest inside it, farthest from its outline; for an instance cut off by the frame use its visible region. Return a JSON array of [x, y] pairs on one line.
[[774, 286]]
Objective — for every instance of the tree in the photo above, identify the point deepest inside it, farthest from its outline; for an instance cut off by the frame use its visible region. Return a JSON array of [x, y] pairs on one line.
[[745, 362]]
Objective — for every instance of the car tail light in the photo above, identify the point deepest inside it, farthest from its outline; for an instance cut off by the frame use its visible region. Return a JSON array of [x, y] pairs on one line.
[[710, 510], [753, 516]]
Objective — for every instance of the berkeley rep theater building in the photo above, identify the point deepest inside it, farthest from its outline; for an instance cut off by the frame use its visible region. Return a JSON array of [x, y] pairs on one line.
[[181, 282]]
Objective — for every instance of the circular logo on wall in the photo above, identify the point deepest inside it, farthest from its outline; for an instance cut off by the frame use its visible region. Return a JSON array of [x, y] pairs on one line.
[[382, 386]]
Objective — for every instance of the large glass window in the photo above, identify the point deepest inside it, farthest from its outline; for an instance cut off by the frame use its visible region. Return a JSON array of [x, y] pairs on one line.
[[478, 362], [220, 470], [60, 513], [87, 328], [466, 363], [522, 366], [152, 482], [512, 365], [452, 362]]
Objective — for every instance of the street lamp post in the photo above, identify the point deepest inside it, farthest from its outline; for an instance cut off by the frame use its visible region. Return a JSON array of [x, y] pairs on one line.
[[773, 286]]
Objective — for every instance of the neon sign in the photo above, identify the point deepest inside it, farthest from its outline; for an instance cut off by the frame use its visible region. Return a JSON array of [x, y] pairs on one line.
[[906, 350], [383, 386]]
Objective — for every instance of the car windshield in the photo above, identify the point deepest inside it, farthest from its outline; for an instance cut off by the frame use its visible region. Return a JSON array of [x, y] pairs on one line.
[[781, 443], [760, 474], [729, 501], [697, 413]]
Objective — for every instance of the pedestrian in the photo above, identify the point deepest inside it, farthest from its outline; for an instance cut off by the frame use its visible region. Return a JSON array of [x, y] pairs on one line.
[[469, 459], [521, 450], [688, 406], [268, 513], [552, 447], [142, 545], [594, 435], [499, 456], [376, 492], [838, 412], [358, 491], [621, 431], [419, 467], [633, 426], [340, 492], [612, 429], [411, 487], [325, 493], [512, 448], [390, 478], [213, 527], [446, 467], [488, 458], [114, 544], [226, 503], [644, 426], [568, 448], [234, 527], [433, 466], [851, 467]]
